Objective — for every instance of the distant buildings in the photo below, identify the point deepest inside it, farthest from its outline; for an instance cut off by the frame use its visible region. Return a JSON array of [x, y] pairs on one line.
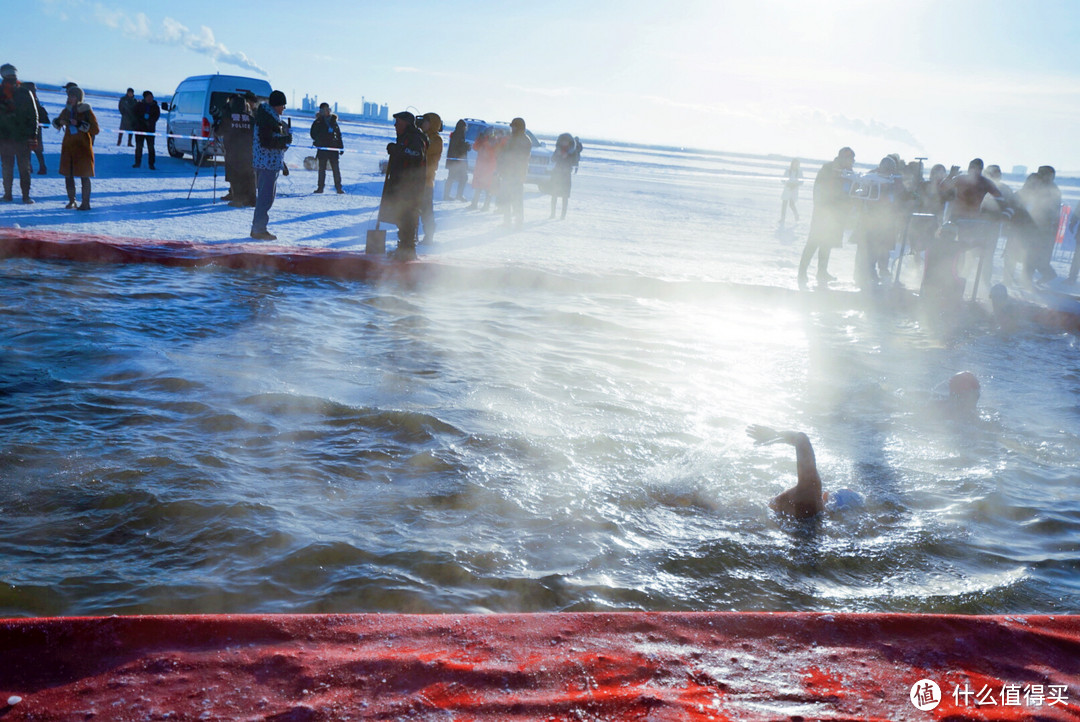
[[372, 111]]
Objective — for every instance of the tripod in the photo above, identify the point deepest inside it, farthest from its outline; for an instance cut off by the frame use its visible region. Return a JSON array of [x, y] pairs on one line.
[[214, 147]]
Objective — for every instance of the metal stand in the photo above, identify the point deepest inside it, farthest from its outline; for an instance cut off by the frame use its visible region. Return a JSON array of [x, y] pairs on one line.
[[212, 150]]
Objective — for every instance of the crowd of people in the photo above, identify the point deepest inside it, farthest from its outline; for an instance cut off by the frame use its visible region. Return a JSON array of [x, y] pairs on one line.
[[254, 136], [940, 218]]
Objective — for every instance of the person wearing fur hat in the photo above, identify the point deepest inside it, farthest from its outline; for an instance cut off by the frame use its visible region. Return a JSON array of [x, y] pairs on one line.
[[431, 124], [272, 138], [404, 184], [18, 126], [326, 135], [79, 126]]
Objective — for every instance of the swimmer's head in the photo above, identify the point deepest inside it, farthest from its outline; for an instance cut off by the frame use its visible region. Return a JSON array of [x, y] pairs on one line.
[[964, 389]]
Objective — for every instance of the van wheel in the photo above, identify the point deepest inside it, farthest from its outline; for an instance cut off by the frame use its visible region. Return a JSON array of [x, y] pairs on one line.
[[171, 146], [196, 157]]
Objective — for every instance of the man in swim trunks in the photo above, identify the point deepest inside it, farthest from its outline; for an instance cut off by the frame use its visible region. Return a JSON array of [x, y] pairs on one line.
[[805, 499]]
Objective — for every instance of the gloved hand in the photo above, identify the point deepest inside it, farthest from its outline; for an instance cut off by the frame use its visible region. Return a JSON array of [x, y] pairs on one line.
[[84, 126], [57, 124], [288, 139], [284, 169], [340, 153]]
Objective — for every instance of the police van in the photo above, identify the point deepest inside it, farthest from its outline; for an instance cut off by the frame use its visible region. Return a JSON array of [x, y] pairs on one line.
[[196, 106]]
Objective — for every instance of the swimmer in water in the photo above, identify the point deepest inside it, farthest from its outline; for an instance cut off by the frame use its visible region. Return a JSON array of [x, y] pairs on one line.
[[805, 499], [964, 392]]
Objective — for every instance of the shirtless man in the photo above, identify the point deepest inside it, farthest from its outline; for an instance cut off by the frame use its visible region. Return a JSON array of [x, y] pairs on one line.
[[805, 499], [968, 191]]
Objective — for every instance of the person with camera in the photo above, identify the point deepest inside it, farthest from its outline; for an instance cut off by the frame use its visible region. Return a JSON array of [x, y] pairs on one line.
[[237, 131], [326, 135], [404, 185], [79, 125], [18, 126], [271, 139]]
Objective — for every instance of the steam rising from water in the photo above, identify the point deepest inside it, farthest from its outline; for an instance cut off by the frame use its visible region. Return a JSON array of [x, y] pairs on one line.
[[207, 441]]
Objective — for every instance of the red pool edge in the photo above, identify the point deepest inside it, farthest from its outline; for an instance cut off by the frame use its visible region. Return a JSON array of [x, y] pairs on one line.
[[611, 666]]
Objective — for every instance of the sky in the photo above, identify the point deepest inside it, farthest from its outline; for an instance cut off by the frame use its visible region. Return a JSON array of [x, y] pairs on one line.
[[948, 80]]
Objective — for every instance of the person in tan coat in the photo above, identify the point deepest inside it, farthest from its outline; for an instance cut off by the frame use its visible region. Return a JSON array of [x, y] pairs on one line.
[[79, 125], [431, 124]]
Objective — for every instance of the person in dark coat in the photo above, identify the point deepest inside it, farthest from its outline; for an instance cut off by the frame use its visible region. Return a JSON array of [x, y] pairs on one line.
[[43, 119], [326, 134], [565, 160], [457, 163], [404, 185], [79, 126], [513, 168], [18, 126], [237, 130], [145, 117], [832, 205], [126, 106]]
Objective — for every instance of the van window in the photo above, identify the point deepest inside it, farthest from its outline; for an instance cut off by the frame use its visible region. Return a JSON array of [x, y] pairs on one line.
[[188, 103]]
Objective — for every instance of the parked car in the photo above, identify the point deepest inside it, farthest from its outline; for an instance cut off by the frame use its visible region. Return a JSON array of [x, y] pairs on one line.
[[196, 107], [539, 160]]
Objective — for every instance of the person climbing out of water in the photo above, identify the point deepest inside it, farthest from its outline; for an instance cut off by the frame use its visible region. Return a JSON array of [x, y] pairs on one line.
[[831, 208], [1010, 313], [805, 499]]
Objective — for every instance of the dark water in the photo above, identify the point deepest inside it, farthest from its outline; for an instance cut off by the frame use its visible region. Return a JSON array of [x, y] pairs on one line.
[[182, 440]]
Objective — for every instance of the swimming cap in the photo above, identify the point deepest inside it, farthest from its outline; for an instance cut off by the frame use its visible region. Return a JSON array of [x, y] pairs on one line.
[[963, 384]]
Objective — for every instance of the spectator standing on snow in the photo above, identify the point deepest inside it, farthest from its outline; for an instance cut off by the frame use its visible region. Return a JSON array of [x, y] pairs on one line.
[[431, 124], [565, 160], [237, 130], [457, 163], [42, 119], [145, 117], [18, 126], [271, 139], [126, 106], [513, 167], [79, 125], [326, 135], [484, 173], [404, 184], [832, 205]]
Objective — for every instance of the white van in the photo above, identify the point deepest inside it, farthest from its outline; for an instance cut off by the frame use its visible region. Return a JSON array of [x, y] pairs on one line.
[[195, 105]]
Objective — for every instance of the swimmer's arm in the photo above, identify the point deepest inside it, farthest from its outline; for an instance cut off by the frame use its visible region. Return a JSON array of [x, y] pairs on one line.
[[763, 435]]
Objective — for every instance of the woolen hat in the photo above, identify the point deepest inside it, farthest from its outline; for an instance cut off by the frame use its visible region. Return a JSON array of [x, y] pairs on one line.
[[406, 116], [7, 70], [277, 98]]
